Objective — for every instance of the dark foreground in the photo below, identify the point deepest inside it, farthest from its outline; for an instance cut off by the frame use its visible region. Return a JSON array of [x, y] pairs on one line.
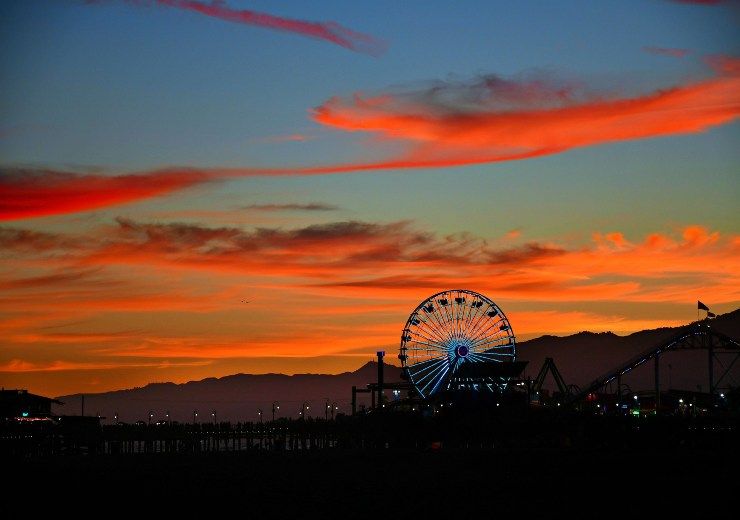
[[387, 483]]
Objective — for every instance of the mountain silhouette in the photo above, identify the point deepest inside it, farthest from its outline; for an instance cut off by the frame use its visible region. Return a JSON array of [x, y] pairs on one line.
[[235, 398], [580, 358]]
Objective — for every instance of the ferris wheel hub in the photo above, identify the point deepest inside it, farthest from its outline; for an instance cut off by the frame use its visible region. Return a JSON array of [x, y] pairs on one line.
[[462, 351]]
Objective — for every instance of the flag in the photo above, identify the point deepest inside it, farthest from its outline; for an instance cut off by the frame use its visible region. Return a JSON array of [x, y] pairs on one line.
[[701, 306], [711, 315]]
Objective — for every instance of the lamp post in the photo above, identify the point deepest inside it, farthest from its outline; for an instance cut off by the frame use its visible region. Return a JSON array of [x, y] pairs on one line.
[[151, 414], [195, 415], [326, 409], [167, 417], [259, 412], [304, 409], [334, 408], [275, 406], [213, 414]]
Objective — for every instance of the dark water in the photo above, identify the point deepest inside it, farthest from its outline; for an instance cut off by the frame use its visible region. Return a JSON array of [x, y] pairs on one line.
[[383, 483]]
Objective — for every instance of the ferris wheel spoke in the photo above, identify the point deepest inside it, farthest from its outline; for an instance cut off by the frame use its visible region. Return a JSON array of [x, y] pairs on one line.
[[442, 315], [459, 311], [442, 377], [491, 355], [481, 359], [420, 375], [490, 314], [429, 328], [450, 314], [488, 340], [427, 339], [493, 352], [472, 312], [431, 374], [422, 365], [449, 310], [503, 342], [429, 364], [459, 314], [427, 345], [475, 318], [439, 375], [486, 329], [455, 366], [430, 312], [479, 322]]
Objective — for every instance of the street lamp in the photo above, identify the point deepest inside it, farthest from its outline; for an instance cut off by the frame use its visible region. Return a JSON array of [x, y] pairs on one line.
[[213, 413], [259, 412], [304, 408], [195, 415], [326, 410], [167, 416], [334, 408], [151, 414], [275, 406]]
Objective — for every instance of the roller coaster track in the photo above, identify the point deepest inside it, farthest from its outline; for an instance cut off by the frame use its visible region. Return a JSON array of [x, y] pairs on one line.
[[696, 336]]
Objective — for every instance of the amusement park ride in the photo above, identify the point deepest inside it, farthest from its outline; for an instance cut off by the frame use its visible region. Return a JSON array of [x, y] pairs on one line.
[[458, 345]]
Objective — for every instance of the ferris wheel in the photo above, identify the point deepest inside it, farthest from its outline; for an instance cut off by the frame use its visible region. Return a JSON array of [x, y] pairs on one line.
[[455, 339]]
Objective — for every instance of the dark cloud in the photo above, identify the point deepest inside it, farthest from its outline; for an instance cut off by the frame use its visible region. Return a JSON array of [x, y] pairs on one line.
[[313, 206]]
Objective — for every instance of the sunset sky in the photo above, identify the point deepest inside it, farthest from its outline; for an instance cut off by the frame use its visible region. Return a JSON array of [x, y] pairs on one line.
[[333, 163]]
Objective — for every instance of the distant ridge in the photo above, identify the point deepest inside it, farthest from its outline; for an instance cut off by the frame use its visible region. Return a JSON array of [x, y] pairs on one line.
[[581, 357], [235, 397]]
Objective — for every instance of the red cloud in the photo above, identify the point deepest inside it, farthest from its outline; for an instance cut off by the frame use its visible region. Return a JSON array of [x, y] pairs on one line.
[[35, 193], [328, 31]]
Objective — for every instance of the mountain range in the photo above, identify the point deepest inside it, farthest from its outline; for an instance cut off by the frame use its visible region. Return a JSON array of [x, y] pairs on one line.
[[580, 358]]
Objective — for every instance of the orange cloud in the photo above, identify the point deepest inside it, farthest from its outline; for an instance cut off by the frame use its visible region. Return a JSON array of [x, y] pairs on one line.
[[493, 119], [336, 289], [350, 255]]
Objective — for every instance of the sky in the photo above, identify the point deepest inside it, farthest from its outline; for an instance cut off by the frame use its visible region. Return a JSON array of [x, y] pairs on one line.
[[192, 189]]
